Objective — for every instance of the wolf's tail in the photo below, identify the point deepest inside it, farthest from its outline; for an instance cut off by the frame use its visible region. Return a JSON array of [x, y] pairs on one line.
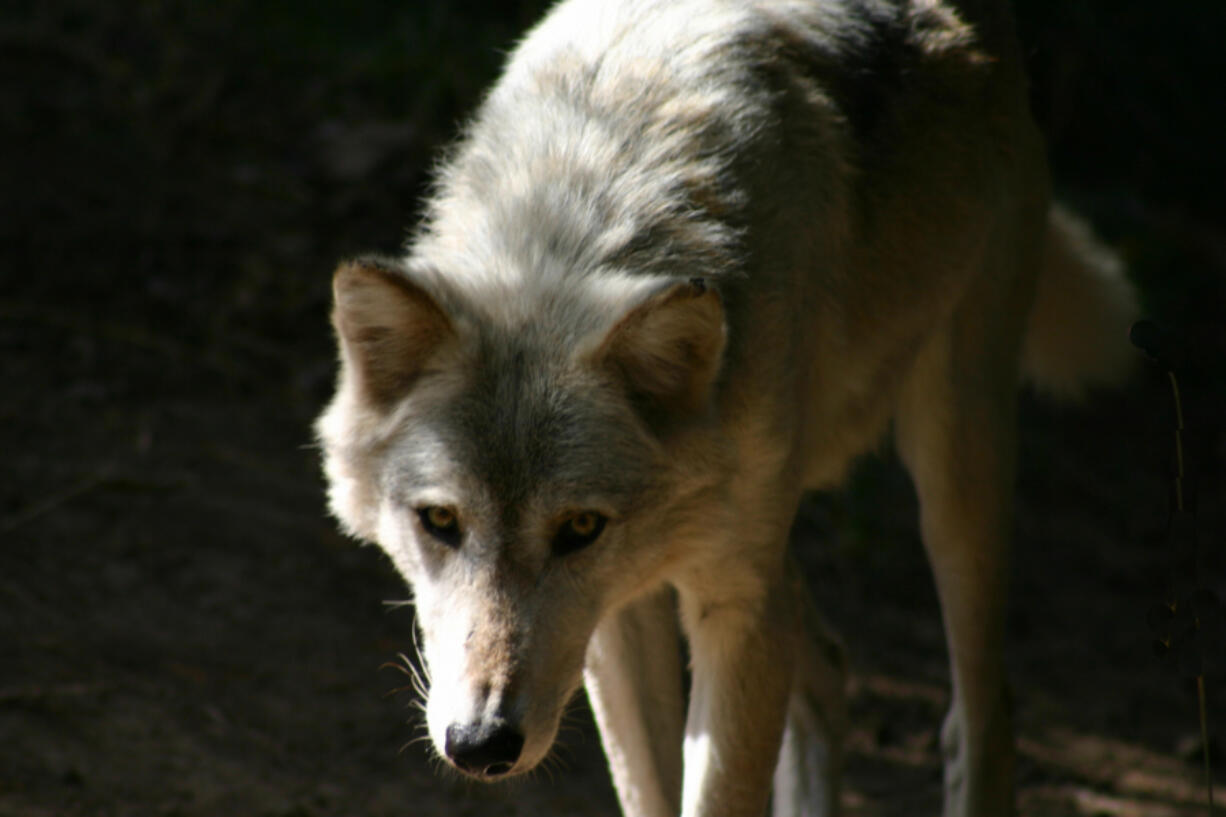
[[1077, 335]]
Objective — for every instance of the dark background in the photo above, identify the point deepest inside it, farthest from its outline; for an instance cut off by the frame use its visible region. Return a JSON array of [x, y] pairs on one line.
[[182, 631]]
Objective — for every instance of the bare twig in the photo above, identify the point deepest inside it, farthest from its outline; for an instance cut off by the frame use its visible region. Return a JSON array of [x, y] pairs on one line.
[[34, 693], [54, 501]]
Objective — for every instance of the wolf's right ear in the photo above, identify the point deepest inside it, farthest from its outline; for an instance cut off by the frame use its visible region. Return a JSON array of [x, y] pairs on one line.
[[388, 328]]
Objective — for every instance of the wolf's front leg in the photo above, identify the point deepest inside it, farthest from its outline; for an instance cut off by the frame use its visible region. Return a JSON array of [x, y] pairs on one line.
[[633, 679], [807, 777], [742, 655]]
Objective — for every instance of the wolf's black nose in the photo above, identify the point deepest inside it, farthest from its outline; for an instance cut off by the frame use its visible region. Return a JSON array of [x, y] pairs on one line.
[[486, 749]]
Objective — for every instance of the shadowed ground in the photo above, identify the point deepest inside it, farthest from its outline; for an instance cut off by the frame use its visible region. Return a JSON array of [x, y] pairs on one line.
[[183, 633]]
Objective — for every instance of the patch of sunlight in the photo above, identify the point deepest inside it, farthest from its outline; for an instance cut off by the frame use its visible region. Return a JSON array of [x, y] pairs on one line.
[[1119, 778]]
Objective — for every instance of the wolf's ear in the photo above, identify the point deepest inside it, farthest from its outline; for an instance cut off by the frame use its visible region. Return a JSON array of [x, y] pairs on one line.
[[388, 328], [668, 349]]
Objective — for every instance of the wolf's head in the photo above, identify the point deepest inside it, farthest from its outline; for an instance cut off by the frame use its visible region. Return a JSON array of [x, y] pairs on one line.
[[516, 454]]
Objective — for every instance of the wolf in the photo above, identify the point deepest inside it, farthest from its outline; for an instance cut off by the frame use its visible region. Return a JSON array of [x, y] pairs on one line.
[[690, 259]]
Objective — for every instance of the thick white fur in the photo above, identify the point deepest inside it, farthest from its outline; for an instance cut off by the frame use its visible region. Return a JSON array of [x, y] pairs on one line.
[[691, 258]]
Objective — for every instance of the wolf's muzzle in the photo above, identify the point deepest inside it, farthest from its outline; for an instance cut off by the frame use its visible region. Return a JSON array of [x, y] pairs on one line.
[[485, 749]]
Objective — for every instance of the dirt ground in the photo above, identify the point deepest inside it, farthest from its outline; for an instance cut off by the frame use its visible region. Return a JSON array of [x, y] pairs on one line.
[[182, 630]]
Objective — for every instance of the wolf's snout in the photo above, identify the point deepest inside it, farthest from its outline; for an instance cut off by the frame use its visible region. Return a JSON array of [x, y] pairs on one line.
[[488, 750]]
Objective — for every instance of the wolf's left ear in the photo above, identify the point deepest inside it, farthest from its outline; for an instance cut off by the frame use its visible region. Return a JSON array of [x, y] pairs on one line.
[[668, 349], [388, 328]]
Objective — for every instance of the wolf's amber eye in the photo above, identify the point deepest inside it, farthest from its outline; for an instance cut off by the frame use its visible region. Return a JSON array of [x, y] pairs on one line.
[[578, 532], [441, 523]]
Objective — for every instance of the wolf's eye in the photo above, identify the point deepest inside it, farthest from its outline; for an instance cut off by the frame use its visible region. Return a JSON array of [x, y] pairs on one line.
[[578, 532], [441, 523]]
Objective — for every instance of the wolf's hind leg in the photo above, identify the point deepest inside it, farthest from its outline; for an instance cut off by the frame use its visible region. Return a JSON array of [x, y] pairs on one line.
[[955, 432], [810, 764], [634, 682]]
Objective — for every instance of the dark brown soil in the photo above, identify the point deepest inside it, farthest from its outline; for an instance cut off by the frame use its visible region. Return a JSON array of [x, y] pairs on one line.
[[182, 631]]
